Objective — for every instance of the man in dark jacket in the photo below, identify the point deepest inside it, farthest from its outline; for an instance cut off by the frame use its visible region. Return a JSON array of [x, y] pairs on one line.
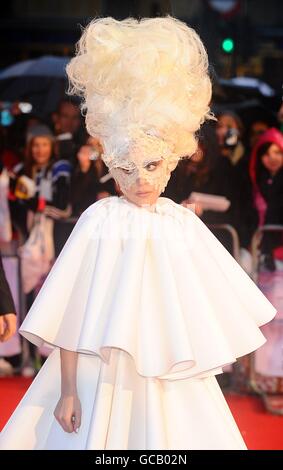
[[8, 320]]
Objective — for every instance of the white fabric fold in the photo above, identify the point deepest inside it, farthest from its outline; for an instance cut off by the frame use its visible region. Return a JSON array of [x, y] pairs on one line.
[[156, 284], [122, 410]]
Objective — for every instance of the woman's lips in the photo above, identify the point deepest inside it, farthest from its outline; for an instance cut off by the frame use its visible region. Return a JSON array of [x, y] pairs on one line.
[[143, 193]]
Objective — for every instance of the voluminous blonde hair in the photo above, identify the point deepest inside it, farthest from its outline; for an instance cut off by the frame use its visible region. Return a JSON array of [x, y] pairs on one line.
[[151, 74]]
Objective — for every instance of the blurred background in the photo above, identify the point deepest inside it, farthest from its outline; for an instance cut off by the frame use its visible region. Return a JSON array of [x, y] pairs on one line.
[[51, 170]]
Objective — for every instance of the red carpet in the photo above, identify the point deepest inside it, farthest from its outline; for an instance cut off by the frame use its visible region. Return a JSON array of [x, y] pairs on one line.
[[260, 429], [11, 391]]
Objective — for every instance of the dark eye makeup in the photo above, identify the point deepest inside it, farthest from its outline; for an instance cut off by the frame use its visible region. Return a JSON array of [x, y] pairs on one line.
[[152, 165]]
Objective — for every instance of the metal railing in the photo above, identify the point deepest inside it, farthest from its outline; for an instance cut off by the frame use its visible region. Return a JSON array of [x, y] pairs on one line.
[[234, 237], [256, 257], [256, 239]]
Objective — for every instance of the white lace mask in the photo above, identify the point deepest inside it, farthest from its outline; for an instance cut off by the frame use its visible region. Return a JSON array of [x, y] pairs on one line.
[[145, 157]]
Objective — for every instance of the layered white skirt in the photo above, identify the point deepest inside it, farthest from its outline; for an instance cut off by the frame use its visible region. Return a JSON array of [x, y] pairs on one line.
[[122, 410], [155, 306]]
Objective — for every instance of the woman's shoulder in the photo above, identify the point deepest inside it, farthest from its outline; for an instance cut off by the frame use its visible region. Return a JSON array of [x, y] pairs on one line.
[[91, 221], [101, 206], [172, 207]]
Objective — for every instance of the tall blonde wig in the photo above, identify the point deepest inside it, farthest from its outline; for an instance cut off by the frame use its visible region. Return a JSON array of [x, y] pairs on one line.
[[149, 76]]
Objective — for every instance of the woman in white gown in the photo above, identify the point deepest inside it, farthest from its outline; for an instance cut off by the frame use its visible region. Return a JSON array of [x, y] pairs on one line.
[[143, 306]]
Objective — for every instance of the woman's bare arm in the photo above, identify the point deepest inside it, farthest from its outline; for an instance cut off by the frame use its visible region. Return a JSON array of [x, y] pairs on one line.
[[68, 409], [69, 361]]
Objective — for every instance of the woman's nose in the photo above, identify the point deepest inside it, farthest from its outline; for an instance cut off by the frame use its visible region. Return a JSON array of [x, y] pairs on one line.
[[140, 180]]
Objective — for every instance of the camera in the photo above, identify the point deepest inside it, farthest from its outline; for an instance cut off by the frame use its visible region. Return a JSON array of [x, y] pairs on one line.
[[231, 138]]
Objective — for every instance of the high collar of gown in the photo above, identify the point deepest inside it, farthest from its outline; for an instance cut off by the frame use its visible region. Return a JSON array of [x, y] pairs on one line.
[[155, 208]]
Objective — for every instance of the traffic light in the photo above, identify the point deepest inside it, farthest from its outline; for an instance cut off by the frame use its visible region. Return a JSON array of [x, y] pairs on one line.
[[228, 45]]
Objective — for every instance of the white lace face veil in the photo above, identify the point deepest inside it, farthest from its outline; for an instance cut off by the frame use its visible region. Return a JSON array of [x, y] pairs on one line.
[[142, 155]]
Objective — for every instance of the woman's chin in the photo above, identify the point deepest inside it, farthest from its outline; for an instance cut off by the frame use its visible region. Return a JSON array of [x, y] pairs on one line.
[[142, 198]]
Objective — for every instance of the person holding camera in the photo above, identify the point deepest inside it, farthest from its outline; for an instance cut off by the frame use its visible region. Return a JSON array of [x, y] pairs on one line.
[[229, 130]]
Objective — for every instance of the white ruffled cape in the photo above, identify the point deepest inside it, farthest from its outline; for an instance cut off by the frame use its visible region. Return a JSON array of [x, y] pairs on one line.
[[156, 306]]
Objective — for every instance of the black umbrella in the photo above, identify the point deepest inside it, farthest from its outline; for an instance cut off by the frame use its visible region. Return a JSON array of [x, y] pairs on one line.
[[41, 82], [249, 97]]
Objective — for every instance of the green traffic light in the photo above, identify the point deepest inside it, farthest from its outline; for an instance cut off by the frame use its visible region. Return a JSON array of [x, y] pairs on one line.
[[228, 45]]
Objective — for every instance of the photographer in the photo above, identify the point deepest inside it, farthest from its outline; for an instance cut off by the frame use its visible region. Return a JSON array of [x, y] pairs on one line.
[[229, 131]]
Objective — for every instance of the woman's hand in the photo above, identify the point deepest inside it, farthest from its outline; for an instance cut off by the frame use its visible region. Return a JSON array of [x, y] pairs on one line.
[[8, 326], [198, 209], [68, 412], [195, 207], [102, 195]]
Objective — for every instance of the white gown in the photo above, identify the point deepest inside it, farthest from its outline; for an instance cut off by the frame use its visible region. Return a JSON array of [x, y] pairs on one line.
[[156, 306]]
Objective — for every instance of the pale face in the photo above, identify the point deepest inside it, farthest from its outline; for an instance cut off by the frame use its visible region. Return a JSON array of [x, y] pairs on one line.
[[142, 182], [273, 159], [41, 150], [141, 163]]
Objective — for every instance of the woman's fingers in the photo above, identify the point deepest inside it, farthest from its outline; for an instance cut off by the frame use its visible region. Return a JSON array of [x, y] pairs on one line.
[[76, 418], [65, 422], [1, 327], [68, 414], [9, 325], [75, 424]]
